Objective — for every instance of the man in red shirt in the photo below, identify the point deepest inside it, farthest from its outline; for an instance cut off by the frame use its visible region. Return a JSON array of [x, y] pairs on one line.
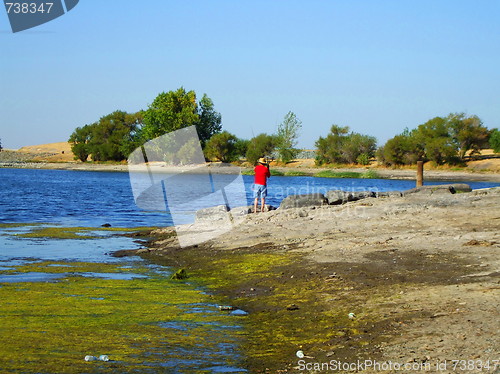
[[260, 184]]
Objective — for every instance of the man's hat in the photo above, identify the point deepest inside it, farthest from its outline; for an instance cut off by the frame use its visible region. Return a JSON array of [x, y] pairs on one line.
[[262, 160]]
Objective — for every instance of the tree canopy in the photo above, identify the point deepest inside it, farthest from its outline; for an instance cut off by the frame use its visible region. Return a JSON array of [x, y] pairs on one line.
[[342, 146], [109, 139], [441, 140], [222, 147], [495, 140], [286, 139], [260, 146], [174, 110]]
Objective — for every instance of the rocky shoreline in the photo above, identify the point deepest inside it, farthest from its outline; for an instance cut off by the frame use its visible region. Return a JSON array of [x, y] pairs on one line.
[[407, 278]]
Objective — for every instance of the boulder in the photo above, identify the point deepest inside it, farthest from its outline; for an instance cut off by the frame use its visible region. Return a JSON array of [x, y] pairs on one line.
[[439, 189], [215, 213], [302, 201], [359, 195], [389, 194], [336, 197]]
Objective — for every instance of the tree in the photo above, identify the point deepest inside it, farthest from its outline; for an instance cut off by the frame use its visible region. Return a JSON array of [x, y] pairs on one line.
[[178, 109], [440, 139], [468, 133], [328, 149], [260, 146], [109, 139], [340, 146], [288, 132], [495, 140], [79, 140], [222, 147], [209, 122], [435, 137], [403, 149], [241, 147]]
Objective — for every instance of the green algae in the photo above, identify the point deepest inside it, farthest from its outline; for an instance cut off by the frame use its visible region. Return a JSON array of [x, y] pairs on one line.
[[74, 232], [267, 281], [49, 327]]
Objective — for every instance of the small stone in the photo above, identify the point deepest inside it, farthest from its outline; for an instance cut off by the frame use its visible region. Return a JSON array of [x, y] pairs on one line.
[[292, 307]]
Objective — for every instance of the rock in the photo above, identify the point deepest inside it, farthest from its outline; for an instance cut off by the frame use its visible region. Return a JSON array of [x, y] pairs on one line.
[[227, 307], [389, 194], [243, 210], [336, 197], [215, 213], [292, 307], [106, 225], [302, 201], [358, 195], [179, 274], [439, 189]]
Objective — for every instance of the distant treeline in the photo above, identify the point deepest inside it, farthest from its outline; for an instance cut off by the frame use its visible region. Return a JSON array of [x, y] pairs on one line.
[[114, 136]]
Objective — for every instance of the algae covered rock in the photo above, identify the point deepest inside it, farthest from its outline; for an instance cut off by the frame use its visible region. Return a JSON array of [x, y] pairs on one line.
[[180, 274]]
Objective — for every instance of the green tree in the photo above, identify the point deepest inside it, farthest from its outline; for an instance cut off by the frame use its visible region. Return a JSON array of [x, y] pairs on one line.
[[328, 149], [260, 146], [241, 147], [79, 140], [178, 109], [108, 139], [437, 142], [286, 141], [495, 140], [222, 147], [468, 133], [209, 121], [340, 146], [402, 149], [168, 112]]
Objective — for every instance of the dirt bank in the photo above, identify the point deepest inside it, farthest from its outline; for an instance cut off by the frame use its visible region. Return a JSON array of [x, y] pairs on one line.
[[410, 281]]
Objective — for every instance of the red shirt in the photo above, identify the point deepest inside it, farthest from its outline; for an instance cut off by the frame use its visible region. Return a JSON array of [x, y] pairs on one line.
[[261, 174]]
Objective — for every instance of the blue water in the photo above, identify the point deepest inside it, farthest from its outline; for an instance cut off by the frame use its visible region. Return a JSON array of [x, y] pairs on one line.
[[85, 198]]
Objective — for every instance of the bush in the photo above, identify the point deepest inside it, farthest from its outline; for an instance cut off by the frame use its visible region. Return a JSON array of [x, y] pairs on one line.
[[363, 159], [343, 147], [260, 146], [222, 147], [495, 140]]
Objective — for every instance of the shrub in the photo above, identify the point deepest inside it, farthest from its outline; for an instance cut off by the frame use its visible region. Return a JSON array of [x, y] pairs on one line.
[[495, 140]]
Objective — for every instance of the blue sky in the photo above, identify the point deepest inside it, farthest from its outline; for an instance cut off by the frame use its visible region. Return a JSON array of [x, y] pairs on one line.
[[375, 66]]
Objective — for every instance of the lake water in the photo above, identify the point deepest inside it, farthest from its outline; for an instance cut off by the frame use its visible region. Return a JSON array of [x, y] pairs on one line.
[[84, 198]]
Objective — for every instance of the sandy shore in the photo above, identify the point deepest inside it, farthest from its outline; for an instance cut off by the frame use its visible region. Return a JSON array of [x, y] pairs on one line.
[[420, 275]]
